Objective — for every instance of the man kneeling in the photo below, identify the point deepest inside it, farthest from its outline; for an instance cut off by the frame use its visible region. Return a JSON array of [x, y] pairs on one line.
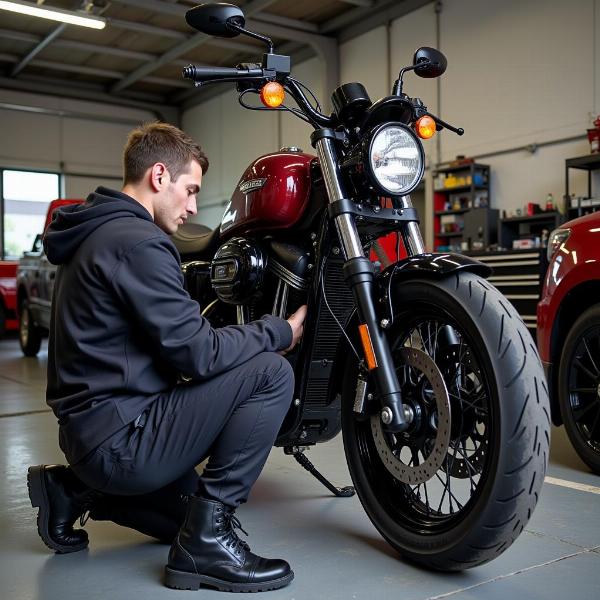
[[123, 331]]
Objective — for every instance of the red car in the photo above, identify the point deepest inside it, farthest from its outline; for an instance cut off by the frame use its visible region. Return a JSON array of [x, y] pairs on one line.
[[568, 333], [8, 296], [35, 284]]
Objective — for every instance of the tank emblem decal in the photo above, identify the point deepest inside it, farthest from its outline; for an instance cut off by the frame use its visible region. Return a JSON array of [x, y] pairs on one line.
[[252, 185]]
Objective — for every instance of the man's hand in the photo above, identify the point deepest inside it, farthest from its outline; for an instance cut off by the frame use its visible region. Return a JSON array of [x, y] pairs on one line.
[[296, 321]]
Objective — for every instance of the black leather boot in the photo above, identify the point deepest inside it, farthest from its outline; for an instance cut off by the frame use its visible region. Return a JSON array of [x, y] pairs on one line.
[[207, 551], [149, 521], [61, 498]]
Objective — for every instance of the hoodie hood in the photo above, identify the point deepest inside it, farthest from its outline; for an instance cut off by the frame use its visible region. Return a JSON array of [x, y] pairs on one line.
[[72, 224]]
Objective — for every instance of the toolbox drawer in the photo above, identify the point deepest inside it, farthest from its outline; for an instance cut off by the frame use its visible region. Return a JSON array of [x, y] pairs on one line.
[[519, 275]]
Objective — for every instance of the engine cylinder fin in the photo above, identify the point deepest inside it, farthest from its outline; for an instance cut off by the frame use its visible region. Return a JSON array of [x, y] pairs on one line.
[[299, 283]]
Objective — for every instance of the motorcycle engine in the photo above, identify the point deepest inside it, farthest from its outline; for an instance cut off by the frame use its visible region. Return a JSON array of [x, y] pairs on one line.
[[266, 277], [237, 271]]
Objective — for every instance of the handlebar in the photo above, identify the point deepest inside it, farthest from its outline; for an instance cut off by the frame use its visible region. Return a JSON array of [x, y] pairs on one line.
[[443, 125], [207, 74], [317, 119], [201, 75]]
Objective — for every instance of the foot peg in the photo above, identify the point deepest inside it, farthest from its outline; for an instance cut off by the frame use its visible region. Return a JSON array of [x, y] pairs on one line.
[[298, 453]]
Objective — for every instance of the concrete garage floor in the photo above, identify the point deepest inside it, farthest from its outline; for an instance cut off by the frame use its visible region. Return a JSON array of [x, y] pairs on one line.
[[332, 547]]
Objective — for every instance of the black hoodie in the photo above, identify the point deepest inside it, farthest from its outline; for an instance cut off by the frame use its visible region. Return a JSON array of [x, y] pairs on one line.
[[123, 327]]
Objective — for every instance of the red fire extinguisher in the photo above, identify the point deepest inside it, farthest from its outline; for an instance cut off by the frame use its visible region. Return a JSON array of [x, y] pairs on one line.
[[594, 136]]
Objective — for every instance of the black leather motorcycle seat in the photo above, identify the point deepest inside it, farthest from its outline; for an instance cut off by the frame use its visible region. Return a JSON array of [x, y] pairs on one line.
[[196, 241]]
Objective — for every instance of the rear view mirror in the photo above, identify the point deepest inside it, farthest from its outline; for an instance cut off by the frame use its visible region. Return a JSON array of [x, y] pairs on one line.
[[434, 63], [213, 18]]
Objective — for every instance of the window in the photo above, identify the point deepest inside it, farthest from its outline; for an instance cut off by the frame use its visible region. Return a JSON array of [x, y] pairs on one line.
[[24, 201]]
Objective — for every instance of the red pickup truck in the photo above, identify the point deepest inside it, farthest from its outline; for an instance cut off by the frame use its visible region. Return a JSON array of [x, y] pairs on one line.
[[35, 283]]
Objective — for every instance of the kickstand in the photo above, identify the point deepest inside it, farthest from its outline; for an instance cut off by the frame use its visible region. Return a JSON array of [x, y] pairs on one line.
[[298, 453]]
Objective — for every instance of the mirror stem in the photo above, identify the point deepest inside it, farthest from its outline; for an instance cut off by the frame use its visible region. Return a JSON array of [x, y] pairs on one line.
[[397, 90], [257, 36]]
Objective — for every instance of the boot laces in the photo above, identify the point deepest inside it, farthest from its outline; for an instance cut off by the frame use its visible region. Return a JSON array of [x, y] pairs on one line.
[[230, 537]]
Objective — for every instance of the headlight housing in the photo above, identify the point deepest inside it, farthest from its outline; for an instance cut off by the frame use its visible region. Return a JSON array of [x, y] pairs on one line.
[[395, 159], [555, 239]]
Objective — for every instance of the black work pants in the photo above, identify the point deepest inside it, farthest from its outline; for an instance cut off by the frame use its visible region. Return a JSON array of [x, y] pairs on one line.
[[232, 419]]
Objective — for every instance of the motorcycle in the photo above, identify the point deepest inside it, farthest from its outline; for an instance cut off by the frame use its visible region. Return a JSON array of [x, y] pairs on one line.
[[428, 371]]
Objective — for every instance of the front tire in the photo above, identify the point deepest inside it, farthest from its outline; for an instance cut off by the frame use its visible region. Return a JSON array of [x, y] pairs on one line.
[[30, 335], [579, 387], [475, 500]]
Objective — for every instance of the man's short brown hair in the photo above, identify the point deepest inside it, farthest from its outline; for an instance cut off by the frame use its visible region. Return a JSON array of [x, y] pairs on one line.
[[159, 142]]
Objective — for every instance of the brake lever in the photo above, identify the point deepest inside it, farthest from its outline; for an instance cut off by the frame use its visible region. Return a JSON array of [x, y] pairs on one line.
[[443, 125]]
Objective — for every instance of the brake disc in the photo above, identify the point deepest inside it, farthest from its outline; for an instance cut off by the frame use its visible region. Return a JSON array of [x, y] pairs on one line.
[[417, 474]]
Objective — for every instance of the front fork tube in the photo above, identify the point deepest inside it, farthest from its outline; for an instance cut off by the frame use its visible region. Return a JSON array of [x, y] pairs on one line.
[[360, 277]]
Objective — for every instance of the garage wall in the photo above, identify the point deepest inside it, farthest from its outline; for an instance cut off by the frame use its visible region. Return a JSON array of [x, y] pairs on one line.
[[529, 74], [520, 72], [88, 149]]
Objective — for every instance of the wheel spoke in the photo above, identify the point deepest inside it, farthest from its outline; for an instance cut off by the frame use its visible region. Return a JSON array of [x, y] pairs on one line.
[[579, 412], [472, 469], [459, 360], [422, 340], [595, 425], [590, 357], [577, 390], [579, 365], [468, 404], [449, 493], [439, 509], [426, 499]]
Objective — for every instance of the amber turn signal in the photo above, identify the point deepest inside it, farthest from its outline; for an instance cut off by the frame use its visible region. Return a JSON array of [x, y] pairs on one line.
[[425, 127], [272, 94]]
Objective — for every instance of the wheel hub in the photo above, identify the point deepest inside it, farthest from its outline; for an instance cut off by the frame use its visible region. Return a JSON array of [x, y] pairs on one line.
[[438, 439]]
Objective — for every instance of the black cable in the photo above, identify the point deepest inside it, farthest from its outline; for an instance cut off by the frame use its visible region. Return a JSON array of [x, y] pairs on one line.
[[283, 107], [304, 86], [332, 313]]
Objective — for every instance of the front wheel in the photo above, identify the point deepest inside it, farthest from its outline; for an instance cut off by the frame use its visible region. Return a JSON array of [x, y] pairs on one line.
[[457, 488], [579, 386]]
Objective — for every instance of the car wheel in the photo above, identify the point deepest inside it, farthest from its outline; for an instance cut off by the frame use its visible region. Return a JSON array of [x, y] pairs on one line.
[[30, 335], [579, 386]]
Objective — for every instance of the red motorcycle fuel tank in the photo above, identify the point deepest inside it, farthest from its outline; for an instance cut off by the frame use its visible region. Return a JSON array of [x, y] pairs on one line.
[[272, 194]]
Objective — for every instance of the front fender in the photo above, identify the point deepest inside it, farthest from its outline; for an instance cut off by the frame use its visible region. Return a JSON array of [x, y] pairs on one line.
[[423, 266], [436, 265]]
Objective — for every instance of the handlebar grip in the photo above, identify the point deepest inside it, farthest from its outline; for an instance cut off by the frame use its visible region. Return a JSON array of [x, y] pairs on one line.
[[202, 74]]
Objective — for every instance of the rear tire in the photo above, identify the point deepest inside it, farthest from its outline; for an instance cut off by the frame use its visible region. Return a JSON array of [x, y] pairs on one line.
[[579, 387], [30, 335], [498, 404]]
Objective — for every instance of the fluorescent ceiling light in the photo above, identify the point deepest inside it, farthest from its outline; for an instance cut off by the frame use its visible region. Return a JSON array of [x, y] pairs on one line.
[[54, 14]]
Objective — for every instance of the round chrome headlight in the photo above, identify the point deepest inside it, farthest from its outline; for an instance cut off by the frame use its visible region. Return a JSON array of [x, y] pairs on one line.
[[396, 159]]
